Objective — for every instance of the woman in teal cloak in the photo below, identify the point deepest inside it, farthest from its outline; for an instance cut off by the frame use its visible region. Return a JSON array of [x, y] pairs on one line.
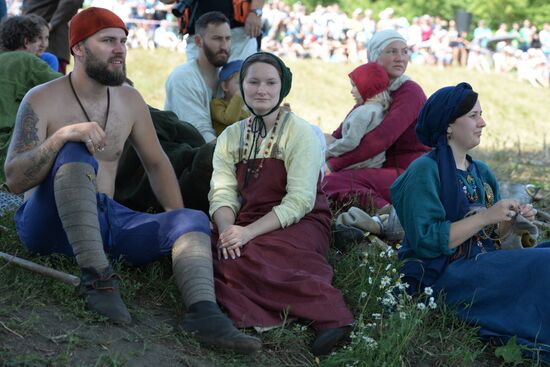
[[454, 219]]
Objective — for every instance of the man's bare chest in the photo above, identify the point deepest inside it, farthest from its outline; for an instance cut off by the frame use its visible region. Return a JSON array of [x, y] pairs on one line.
[[117, 130]]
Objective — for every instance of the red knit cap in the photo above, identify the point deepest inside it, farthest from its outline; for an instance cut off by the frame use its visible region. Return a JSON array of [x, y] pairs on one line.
[[370, 79], [90, 21]]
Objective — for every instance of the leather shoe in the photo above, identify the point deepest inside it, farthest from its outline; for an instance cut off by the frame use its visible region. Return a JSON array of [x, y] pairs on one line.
[[326, 339], [209, 325], [102, 294]]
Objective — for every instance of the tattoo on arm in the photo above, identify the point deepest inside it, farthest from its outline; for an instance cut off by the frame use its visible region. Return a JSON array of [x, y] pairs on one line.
[[26, 131], [44, 158], [35, 157]]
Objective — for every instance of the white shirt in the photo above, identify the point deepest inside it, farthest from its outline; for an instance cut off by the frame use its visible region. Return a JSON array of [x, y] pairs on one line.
[[188, 96]]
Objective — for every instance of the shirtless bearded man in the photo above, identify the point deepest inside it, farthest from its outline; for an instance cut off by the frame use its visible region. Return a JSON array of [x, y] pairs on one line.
[[64, 154]]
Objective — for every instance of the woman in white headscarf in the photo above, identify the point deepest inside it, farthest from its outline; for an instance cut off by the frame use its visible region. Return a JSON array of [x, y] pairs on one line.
[[395, 135]]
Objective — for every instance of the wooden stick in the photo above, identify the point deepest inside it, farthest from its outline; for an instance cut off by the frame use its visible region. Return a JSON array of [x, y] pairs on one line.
[[41, 269]]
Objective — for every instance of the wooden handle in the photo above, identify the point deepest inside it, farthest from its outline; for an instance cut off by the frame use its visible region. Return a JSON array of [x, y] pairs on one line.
[[41, 269]]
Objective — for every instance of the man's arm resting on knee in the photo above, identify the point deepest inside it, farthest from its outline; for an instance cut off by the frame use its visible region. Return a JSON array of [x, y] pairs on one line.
[[157, 165], [31, 153]]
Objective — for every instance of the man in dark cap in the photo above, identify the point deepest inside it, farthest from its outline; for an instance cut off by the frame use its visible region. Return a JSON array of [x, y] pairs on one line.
[[65, 150]]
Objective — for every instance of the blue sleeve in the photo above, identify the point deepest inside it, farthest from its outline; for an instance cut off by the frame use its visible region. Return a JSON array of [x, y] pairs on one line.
[[415, 195], [51, 60], [3, 9]]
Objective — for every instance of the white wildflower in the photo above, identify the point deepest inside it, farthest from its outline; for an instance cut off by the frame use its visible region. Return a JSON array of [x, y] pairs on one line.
[[428, 291], [432, 304], [363, 294], [421, 306], [390, 252], [382, 254], [376, 316], [388, 300], [385, 281], [370, 342], [388, 267], [402, 315], [370, 280]]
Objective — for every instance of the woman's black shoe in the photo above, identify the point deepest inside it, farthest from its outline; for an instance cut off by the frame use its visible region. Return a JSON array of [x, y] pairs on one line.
[[326, 339]]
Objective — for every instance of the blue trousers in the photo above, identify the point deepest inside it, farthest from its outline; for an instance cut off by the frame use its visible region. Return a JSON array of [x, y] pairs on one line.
[[139, 238], [505, 293]]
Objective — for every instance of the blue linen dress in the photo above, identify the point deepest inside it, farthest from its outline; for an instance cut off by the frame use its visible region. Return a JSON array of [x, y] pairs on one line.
[[504, 292]]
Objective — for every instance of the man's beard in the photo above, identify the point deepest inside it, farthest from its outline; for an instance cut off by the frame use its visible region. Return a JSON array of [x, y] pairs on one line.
[[216, 59], [99, 71]]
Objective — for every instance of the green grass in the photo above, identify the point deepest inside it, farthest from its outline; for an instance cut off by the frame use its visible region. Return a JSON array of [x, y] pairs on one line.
[[44, 322]]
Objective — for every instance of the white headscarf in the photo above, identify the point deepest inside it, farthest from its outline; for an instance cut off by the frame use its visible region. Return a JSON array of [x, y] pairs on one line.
[[380, 41]]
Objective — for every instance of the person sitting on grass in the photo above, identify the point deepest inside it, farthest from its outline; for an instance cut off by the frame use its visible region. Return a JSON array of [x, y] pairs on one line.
[[42, 43], [455, 222], [229, 109], [65, 161], [369, 84], [394, 136], [272, 220], [20, 70]]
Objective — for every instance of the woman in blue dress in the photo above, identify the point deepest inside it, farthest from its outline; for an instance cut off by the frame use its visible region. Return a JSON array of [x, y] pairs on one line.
[[453, 216]]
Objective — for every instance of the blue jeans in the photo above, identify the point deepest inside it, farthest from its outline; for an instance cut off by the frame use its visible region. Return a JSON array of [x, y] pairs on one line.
[[139, 238]]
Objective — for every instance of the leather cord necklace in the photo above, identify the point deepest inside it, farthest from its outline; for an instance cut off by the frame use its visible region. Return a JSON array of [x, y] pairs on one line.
[[82, 107]]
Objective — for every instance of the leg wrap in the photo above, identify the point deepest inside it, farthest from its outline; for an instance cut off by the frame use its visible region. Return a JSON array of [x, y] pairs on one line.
[[192, 266], [75, 198]]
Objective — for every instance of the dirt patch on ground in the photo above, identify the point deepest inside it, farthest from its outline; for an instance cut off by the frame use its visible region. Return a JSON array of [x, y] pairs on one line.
[[45, 335]]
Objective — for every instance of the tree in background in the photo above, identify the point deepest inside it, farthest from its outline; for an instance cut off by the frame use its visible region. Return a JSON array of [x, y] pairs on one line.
[[493, 11]]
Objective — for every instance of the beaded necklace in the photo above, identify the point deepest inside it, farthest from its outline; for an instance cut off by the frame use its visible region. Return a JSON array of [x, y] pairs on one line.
[[486, 232], [471, 195], [251, 169]]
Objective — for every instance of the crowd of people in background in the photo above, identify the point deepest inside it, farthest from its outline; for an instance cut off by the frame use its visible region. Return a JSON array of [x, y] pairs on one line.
[[331, 35]]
